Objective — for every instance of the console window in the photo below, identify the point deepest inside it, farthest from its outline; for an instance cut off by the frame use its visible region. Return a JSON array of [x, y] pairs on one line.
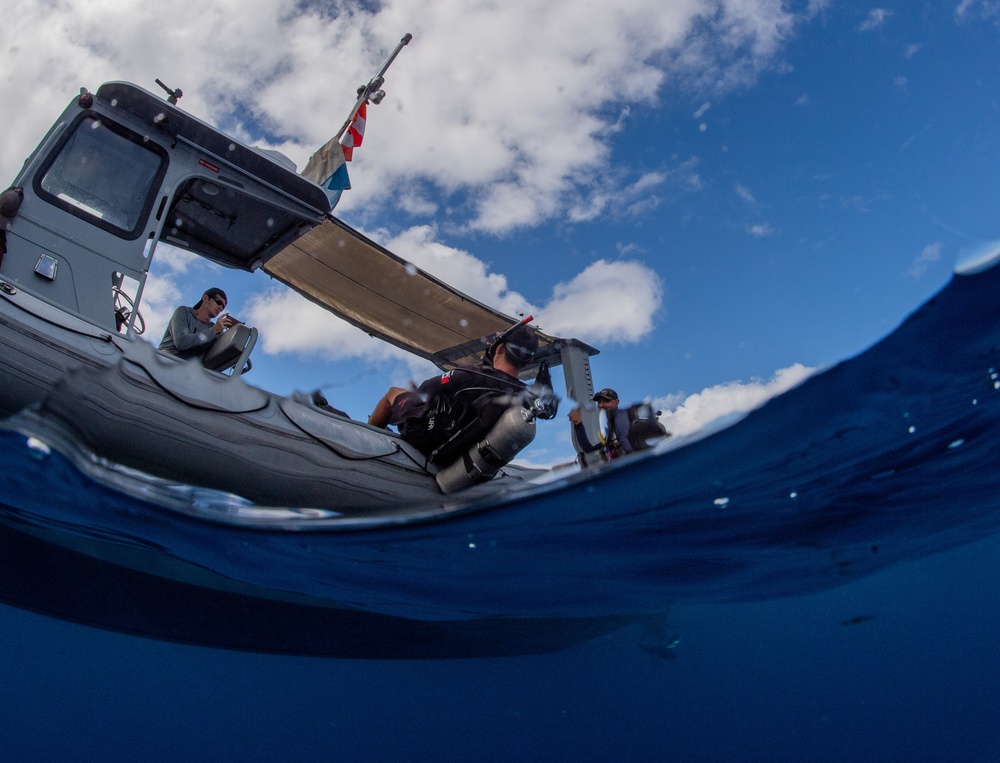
[[105, 174]]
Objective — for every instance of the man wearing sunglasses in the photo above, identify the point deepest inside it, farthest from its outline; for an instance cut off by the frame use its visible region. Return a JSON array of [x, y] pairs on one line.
[[191, 329]]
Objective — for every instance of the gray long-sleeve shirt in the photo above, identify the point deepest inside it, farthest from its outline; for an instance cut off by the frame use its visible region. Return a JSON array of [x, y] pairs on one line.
[[186, 335]]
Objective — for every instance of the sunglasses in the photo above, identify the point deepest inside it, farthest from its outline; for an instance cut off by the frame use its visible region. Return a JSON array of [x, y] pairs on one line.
[[219, 302]]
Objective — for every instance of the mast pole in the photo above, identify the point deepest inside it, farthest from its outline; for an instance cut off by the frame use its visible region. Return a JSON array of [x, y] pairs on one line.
[[371, 90]]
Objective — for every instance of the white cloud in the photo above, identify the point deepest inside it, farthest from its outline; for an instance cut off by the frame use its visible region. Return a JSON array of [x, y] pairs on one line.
[[699, 409], [609, 302], [761, 230], [508, 118], [977, 9], [930, 253], [876, 18], [744, 193]]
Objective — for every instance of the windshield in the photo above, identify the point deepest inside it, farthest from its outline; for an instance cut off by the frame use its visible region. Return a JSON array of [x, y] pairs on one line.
[[104, 174]]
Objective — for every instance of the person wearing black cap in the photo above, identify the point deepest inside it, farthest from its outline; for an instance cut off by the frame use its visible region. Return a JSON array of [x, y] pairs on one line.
[[615, 440], [430, 415]]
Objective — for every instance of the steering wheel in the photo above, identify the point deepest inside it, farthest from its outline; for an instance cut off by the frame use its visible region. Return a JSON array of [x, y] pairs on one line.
[[124, 306]]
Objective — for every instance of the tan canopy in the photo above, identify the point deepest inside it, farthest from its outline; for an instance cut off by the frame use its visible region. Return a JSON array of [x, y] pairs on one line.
[[370, 287]]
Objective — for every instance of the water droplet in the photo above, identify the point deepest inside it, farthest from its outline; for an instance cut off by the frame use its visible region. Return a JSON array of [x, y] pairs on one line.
[[464, 323], [472, 545], [270, 222], [975, 401], [721, 502], [960, 441], [159, 118], [95, 124], [793, 495], [232, 146], [39, 450], [411, 269], [911, 430], [114, 102]]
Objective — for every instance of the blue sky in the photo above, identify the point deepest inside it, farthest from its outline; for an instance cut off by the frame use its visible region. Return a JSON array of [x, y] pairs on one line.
[[721, 194]]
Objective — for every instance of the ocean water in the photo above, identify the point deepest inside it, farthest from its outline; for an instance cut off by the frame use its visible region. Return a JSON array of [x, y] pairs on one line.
[[817, 581], [900, 666]]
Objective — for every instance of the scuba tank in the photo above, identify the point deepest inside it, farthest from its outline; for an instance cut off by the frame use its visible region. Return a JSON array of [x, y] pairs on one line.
[[509, 434], [514, 430]]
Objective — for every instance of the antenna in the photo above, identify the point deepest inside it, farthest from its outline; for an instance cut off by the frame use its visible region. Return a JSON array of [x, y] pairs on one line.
[[172, 95]]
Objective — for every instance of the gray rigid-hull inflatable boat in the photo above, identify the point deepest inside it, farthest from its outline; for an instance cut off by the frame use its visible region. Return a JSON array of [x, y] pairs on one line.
[[122, 171]]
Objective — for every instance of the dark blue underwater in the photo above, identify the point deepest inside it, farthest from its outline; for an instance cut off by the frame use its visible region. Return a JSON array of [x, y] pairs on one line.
[[816, 582]]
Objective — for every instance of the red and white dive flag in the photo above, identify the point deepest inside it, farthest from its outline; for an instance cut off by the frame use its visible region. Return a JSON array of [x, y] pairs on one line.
[[355, 133]]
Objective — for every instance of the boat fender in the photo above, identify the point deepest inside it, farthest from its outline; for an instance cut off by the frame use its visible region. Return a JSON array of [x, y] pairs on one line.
[[10, 202], [512, 433]]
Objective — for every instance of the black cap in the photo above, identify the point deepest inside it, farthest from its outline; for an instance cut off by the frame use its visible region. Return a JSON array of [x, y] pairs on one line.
[[606, 394]]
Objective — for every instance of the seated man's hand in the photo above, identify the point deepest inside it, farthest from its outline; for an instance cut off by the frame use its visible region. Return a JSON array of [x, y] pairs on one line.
[[224, 322], [574, 416]]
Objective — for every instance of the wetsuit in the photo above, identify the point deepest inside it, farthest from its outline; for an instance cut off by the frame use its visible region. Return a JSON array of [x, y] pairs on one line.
[[461, 400]]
